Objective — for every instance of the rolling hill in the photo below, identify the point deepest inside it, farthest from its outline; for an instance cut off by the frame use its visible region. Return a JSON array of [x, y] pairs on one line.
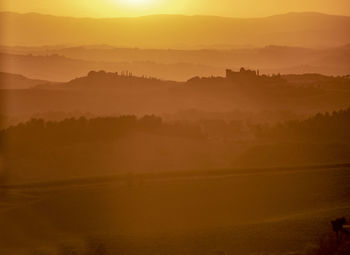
[[61, 68], [60, 63], [16, 81], [176, 31], [104, 93]]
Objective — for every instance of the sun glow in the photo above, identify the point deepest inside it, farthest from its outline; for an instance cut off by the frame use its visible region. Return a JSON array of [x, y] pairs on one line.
[[137, 2]]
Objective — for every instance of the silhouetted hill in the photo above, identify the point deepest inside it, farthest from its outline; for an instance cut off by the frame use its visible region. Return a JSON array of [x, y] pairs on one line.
[[269, 56], [65, 63], [123, 80], [112, 93], [319, 81], [16, 81], [60, 68], [169, 31]]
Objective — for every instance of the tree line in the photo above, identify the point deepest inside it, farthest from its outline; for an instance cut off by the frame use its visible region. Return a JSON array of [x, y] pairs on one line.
[[321, 127]]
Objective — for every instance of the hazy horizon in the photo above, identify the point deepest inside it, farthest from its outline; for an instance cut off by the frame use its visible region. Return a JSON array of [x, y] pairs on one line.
[[176, 14], [125, 8], [174, 127]]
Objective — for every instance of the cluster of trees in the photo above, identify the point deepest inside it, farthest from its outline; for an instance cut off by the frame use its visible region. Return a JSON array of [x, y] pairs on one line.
[[321, 128], [40, 150], [328, 127], [39, 131]]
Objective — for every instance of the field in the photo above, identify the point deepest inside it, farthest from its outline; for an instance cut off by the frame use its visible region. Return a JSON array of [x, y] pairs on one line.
[[277, 212]]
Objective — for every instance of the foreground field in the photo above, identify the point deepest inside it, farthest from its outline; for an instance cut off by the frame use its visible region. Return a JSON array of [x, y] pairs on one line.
[[258, 213]]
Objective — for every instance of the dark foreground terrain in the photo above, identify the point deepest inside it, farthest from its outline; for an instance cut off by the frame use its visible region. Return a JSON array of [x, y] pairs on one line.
[[272, 212]]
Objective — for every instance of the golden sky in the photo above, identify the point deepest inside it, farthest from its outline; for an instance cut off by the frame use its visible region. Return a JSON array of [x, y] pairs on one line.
[[231, 8]]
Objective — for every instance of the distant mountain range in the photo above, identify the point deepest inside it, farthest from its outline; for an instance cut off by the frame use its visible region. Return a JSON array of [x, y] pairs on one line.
[[175, 31], [59, 63], [61, 68]]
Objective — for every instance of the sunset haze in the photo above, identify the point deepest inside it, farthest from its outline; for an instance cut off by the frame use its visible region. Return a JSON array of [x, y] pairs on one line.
[[228, 8], [174, 127]]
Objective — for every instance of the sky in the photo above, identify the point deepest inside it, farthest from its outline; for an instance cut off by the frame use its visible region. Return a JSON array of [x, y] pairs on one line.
[[122, 8]]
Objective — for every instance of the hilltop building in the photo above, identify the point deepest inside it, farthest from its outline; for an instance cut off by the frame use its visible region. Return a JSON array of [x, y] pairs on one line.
[[243, 74]]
